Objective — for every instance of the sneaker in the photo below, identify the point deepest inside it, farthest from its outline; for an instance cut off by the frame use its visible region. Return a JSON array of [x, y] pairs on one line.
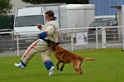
[[51, 71], [19, 65]]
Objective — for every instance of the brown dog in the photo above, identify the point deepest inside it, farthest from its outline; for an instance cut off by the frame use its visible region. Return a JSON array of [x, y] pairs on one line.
[[65, 56]]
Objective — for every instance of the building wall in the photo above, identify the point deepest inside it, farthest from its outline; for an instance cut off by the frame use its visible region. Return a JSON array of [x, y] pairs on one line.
[[103, 7]]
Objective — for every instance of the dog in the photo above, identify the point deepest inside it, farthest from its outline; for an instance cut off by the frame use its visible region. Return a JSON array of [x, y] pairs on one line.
[[64, 56]]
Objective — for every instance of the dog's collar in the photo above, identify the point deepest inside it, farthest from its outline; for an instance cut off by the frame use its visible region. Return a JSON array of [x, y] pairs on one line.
[[53, 19]]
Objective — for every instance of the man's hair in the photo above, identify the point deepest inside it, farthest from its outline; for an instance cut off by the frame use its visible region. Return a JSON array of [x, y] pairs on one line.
[[50, 13]]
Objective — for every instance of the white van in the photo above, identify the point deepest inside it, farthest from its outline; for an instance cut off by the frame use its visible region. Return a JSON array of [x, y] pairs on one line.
[[26, 20]]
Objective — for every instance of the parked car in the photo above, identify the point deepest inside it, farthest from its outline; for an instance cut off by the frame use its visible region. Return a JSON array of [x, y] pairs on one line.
[[102, 22], [105, 22]]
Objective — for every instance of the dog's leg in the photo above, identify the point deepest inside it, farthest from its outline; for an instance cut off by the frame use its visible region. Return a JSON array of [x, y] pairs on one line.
[[80, 67], [63, 64], [57, 65], [77, 66]]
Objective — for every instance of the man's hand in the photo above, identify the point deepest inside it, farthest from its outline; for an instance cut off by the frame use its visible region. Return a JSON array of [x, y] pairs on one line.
[[39, 26], [38, 37]]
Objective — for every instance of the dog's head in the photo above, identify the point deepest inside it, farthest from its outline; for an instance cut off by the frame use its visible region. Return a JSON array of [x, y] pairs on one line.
[[53, 45]]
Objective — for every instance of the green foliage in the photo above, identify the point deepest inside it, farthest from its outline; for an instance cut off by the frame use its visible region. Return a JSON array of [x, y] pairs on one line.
[[57, 1], [5, 7], [33, 1], [108, 67]]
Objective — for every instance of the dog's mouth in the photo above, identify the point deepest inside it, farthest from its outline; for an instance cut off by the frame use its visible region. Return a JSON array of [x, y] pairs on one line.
[[53, 48], [53, 45]]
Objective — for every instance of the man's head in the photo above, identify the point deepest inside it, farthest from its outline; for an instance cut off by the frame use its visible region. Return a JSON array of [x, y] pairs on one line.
[[49, 15]]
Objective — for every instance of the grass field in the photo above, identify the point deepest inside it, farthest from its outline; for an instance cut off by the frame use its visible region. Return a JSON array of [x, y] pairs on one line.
[[108, 67]]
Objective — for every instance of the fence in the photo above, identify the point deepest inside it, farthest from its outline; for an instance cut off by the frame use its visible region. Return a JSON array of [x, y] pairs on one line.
[[71, 39], [100, 37]]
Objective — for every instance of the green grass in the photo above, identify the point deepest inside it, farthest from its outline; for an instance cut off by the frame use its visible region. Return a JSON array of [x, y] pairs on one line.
[[108, 67]]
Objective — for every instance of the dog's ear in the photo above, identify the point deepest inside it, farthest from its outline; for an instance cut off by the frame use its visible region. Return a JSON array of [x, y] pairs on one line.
[[57, 43]]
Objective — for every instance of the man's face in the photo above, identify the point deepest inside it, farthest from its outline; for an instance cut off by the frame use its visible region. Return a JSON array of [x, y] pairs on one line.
[[47, 17]]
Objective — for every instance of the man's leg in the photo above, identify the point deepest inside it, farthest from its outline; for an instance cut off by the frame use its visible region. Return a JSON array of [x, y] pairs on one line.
[[47, 61], [30, 52]]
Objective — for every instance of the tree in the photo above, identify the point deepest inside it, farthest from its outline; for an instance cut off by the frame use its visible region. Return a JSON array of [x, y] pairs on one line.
[[34, 1], [57, 1], [5, 7]]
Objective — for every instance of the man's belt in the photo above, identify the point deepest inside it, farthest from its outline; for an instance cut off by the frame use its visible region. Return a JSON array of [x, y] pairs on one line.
[[46, 40]]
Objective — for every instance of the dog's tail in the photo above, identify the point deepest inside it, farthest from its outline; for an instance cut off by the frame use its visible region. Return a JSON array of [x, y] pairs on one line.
[[90, 59]]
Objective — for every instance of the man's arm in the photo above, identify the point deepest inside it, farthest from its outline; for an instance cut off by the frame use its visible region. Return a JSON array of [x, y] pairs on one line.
[[42, 35], [49, 31]]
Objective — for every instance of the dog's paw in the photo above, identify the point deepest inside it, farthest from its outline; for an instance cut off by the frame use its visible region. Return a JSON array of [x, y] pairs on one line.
[[57, 68], [61, 69]]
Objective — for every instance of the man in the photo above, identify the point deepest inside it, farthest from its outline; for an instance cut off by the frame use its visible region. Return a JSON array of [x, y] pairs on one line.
[[50, 32]]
